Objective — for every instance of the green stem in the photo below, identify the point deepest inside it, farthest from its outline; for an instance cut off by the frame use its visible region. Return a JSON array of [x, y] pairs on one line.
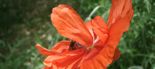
[[92, 13]]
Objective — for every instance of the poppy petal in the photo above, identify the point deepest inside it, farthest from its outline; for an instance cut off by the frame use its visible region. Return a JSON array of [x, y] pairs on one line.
[[103, 60], [87, 65], [69, 24], [119, 9], [97, 64], [117, 54], [64, 60], [105, 57], [71, 57], [94, 60], [44, 51], [61, 46], [74, 65], [118, 22], [57, 48], [90, 28], [116, 32], [100, 28]]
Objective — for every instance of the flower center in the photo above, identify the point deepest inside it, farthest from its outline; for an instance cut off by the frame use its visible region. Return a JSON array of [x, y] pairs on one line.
[[72, 45], [75, 45]]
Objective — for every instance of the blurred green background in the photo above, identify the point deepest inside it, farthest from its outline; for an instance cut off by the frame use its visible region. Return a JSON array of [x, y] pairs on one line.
[[23, 23]]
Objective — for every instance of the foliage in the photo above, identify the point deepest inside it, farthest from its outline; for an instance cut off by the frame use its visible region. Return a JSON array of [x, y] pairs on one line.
[[23, 23]]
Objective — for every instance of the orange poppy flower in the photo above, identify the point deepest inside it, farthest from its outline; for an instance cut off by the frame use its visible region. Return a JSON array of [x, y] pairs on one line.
[[92, 45]]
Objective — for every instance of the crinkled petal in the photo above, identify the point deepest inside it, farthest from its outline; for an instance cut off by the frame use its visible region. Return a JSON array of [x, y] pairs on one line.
[[115, 33], [100, 28], [119, 9], [105, 57], [87, 65], [61, 46], [90, 28], [44, 51], [69, 24], [102, 55], [65, 60], [118, 22], [57, 48]]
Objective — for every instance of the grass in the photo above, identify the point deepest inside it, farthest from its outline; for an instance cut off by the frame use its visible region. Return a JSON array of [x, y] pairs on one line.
[[29, 24]]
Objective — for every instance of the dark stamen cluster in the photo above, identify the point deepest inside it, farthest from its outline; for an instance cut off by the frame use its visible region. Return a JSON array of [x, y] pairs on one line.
[[74, 45]]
